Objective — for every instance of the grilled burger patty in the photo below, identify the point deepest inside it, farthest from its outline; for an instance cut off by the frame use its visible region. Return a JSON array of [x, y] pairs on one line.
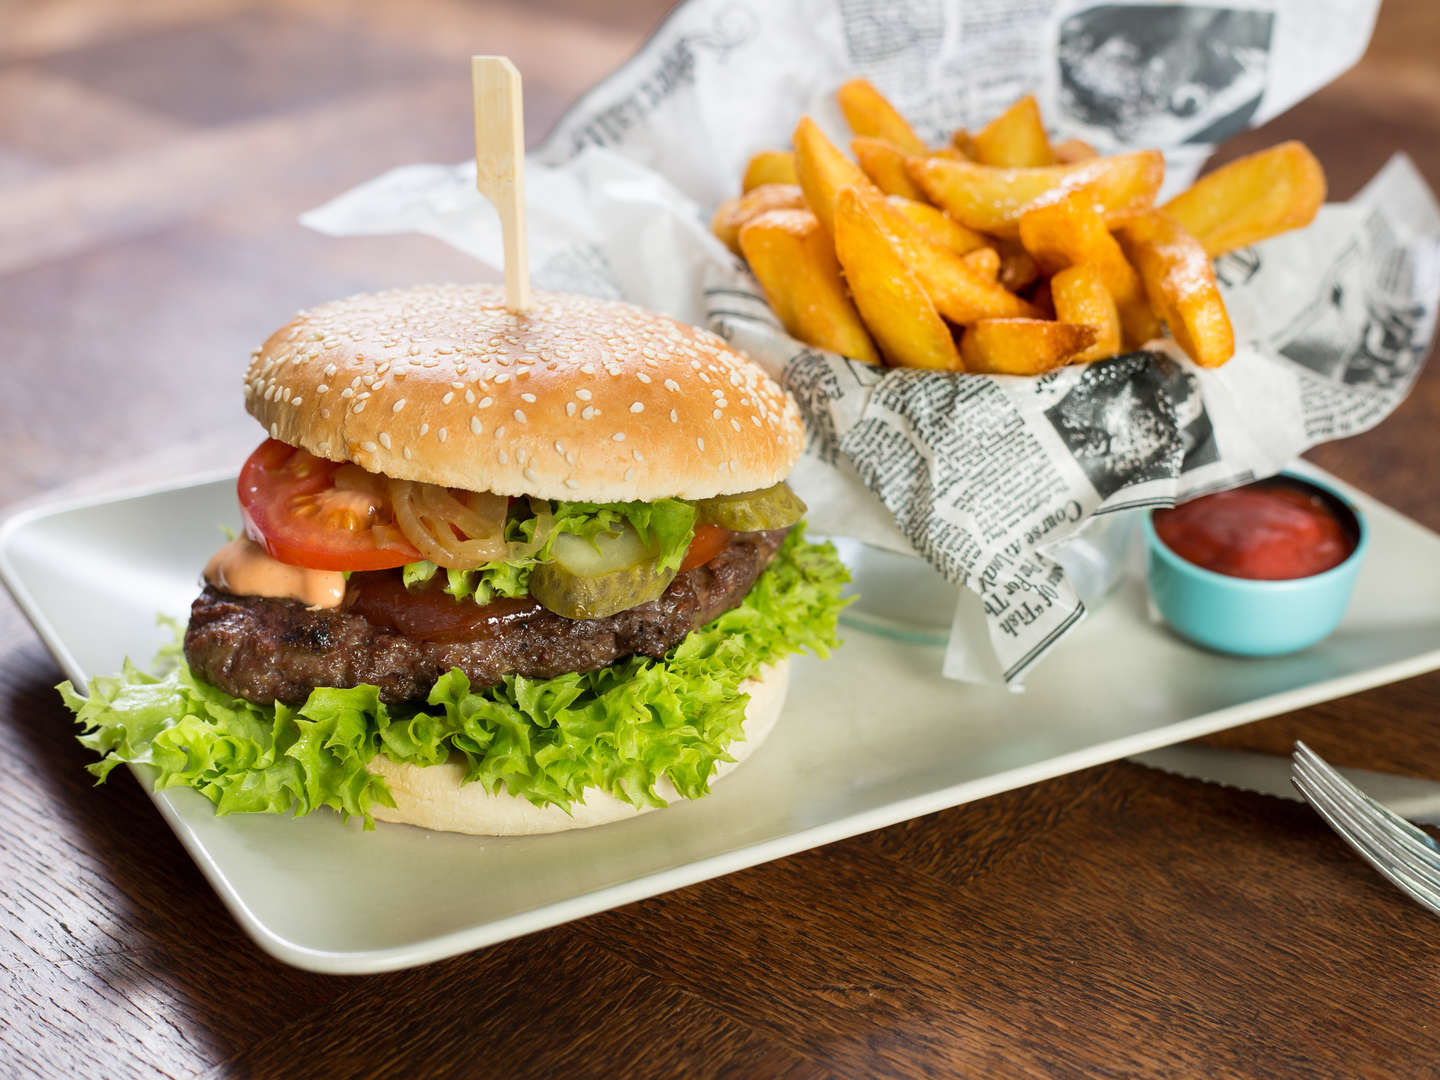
[[267, 650]]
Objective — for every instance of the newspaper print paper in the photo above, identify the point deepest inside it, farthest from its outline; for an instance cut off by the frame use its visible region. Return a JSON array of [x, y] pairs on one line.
[[1014, 489]]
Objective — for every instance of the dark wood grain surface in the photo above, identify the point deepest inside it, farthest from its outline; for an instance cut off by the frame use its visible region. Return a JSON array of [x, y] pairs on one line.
[[1116, 921]]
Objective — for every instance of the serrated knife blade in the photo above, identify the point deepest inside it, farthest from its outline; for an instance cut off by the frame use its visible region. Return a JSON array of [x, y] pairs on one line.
[[1269, 774]]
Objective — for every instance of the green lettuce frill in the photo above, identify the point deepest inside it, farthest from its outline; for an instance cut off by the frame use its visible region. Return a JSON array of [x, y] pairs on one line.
[[618, 729]]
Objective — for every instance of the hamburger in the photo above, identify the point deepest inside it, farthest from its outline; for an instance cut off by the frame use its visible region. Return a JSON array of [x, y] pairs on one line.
[[500, 573]]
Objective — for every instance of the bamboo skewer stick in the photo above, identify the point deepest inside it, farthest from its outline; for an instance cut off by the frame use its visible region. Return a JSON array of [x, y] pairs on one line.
[[500, 164]]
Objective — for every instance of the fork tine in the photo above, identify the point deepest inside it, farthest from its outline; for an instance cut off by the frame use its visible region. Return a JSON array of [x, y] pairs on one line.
[[1392, 832], [1404, 855], [1377, 822], [1418, 892]]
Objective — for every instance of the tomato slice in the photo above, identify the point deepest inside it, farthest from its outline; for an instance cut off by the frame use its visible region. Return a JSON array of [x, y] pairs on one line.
[[708, 542], [293, 510]]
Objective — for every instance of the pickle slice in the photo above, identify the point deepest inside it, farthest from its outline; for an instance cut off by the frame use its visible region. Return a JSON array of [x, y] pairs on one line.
[[588, 579], [753, 511]]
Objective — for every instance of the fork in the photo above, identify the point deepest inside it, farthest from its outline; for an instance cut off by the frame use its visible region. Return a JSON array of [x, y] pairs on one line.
[[1399, 850]]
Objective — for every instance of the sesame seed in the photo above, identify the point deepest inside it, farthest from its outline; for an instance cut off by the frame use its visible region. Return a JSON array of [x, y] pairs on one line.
[[700, 443], [449, 397], [716, 414], [521, 456], [368, 446], [583, 394], [398, 406], [672, 385], [570, 457], [528, 397], [441, 434], [519, 416], [424, 429], [500, 432], [642, 376], [385, 439], [619, 436], [570, 408], [589, 411], [486, 402], [503, 457], [322, 389], [735, 423], [629, 474], [475, 425], [407, 453], [530, 475], [674, 417], [569, 483], [469, 397], [359, 408], [297, 401], [637, 407]]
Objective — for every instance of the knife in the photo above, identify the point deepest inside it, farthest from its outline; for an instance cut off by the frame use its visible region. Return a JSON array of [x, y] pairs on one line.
[[1269, 774]]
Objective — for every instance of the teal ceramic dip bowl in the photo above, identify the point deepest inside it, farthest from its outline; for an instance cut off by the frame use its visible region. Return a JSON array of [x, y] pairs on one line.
[[1250, 617]]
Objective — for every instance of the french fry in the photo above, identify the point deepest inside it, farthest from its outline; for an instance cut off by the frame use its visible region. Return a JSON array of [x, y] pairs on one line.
[[963, 143], [984, 261], [959, 293], [870, 113], [884, 163], [895, 307], [1252, 198], [1017, 269], [823, 171], [1014, 139], [1022, 346], [794, 261], [991, 200], [732, 214], [1069, 151], [1080, 297], [1180, 283], [1071, 231], [769, 167], [938, 226]]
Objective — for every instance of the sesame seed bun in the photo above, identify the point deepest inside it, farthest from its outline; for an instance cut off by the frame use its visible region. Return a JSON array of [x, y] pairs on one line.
[[432, 796], [577, 399]]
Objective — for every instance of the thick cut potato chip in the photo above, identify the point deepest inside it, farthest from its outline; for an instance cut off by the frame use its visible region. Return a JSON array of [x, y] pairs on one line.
[[870, 113], [734, 213], [1016, 138], [895, 306], [1252, 198], [984, 261], [991, 200], [937, 226], [1181, 285], [1080, 298], [958, 292], [1069, 151], [1022, 346], [794, 261], [1071, 231], [770, 167], [884, 163], [823, 171]]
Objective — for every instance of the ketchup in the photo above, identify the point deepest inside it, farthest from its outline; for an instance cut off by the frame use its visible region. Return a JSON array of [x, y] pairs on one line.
[[1272, 530]]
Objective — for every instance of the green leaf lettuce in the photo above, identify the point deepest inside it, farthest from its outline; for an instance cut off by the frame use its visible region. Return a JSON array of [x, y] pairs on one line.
[[619, 729]]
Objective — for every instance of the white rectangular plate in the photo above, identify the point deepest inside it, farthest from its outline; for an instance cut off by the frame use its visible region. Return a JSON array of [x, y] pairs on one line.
[[872, 737]]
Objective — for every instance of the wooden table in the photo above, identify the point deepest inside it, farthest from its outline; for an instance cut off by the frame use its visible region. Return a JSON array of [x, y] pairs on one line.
[[1117, 921]]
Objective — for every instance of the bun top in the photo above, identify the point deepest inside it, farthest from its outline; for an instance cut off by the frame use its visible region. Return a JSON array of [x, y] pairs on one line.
[[578, 399]]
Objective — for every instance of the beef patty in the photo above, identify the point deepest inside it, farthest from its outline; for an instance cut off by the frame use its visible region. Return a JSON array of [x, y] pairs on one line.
[[268, 650]]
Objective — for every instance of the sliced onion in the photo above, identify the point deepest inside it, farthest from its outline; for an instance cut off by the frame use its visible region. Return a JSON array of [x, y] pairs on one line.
[[444, 528]]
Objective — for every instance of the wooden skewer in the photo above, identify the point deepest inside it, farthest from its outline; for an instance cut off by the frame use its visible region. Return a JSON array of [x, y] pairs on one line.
[[500, 164]]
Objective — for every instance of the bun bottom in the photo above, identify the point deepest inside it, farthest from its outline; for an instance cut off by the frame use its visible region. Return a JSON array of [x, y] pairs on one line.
[[432, 797]]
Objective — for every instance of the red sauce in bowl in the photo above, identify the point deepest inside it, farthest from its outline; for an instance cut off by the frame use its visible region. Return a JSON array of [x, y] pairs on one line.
[[1272, 530]]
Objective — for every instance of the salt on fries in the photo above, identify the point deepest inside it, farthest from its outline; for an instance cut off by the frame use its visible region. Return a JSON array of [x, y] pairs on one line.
[[999, 252]]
